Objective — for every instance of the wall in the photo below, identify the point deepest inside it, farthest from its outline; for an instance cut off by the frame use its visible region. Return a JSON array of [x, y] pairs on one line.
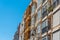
[[56, 19]]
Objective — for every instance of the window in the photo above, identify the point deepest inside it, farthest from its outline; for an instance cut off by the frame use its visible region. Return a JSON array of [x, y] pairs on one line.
[[45, 38], [58, 2], [38, 28], [38, 3], [33, 8], [55, 3], [38, 15], [33, 32], [44, 24], [32, 21], [44, 10]]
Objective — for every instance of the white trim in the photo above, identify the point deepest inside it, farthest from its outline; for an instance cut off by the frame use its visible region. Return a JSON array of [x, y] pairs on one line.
[[56, 28], [44, 34], [44, 18], [56, 8]]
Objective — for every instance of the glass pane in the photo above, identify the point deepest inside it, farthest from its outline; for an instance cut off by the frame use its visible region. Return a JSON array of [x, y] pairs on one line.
[[38, 15], [44, 24], [38, 3], [54, 0], [38, 29], [33, 8]]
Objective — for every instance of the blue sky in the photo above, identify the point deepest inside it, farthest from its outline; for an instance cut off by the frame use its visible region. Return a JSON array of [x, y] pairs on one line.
[[11, 13]]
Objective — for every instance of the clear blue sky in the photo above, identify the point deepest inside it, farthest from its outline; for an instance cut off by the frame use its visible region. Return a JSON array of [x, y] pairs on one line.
[[11, 13]]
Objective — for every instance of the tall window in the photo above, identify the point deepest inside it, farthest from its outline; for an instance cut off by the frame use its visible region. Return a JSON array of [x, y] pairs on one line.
[[33, 8], [45, 24], [55, 3], [38, 28], [38, 3], [44, 10], [38, 15], [32, 21]]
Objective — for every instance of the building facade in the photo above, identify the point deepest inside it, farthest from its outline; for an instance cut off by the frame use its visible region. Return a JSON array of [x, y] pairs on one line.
[[42, 20], [16, 35], [21, 32]]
